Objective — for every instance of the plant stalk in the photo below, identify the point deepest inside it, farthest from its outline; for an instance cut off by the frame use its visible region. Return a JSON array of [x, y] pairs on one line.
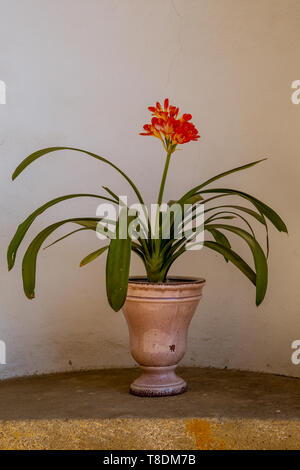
[[163, 180]]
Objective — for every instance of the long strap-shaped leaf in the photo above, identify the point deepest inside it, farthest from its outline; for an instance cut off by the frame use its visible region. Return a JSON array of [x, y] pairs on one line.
[[220, 238], [261, 206], [66, 236], [34, 156], [93, 255], [30, 257], [167, 243], [254, 214], [144, 240], [226, 252], [88, 227], [218, 216], [117, 266], [258, 216], [221, 175], [234, 258], [24, 226], [260, 261]]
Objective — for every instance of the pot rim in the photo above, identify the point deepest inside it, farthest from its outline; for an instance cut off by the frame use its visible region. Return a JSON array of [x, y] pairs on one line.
[[170, 282]]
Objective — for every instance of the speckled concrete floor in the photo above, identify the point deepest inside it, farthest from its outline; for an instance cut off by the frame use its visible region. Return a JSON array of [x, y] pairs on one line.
[[93, 410]]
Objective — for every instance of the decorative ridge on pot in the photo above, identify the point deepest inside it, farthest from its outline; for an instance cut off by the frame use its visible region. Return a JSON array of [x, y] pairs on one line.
[[170, 281], [174, 287]]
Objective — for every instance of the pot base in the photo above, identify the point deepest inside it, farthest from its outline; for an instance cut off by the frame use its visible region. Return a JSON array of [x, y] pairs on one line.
[[158, 382]]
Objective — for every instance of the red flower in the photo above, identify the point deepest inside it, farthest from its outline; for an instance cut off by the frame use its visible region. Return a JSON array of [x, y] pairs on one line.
[[185, 132], [166, 126]]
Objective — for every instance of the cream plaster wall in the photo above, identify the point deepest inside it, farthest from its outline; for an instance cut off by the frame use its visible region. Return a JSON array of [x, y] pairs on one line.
[[81, 73]]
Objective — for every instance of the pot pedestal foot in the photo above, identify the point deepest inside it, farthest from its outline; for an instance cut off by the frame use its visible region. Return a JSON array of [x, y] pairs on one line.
[[158, 382]]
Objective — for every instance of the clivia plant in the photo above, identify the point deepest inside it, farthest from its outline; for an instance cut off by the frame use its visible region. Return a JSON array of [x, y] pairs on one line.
[[158, 308], [157, 252]]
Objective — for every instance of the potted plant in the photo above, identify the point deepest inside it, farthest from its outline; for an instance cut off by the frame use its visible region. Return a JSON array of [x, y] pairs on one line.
[[158, 307]]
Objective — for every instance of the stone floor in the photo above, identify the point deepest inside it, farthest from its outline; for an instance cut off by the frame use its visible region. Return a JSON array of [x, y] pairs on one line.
[[222, 409]]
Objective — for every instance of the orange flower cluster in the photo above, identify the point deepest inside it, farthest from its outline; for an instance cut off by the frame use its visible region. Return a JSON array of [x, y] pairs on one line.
[[165, 124]]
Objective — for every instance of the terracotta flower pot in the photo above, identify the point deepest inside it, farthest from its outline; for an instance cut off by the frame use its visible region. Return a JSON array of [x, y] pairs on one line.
[[158, 317]]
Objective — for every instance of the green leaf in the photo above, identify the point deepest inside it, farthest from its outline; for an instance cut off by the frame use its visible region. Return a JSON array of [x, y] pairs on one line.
[[111, 193], [117, 265], [143, 240], [171, 202], [260, 261], [262, 207], [24, 226], [257, 215], [190, 200], [65, 236], [236, 214], [221, 239], [193, 199], [91, 223], [234, 258], [176, 213], [93, 255], [30, 257], [221, 175], [34, 156], [254, 214], [222, 217]]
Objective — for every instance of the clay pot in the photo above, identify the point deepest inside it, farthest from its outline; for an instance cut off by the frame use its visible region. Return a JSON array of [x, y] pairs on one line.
[[158, 317]]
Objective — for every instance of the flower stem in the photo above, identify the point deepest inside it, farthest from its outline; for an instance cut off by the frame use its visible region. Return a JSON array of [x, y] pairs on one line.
[[163, 180], [159, 200]]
